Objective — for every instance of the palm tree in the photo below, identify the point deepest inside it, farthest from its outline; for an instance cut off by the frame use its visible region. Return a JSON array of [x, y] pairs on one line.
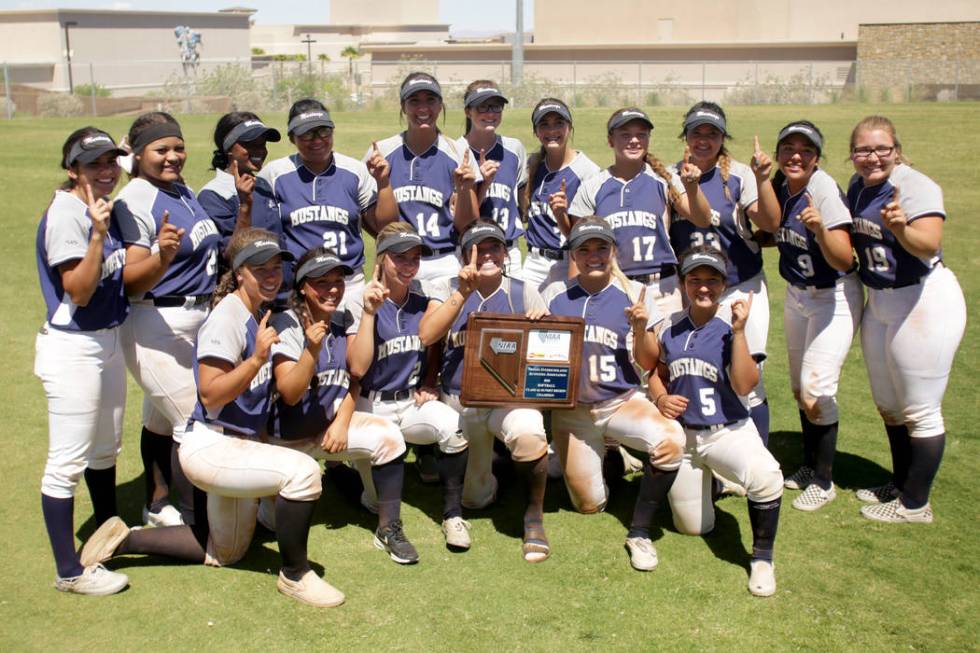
[[323, 57], [351, 52]]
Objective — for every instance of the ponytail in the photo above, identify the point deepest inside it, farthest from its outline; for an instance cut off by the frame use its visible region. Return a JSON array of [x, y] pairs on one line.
[[725, 166], [658, 167], [533, 162]]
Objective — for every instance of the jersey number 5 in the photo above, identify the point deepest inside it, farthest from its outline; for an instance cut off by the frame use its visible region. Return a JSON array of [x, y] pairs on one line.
[[707, 398]]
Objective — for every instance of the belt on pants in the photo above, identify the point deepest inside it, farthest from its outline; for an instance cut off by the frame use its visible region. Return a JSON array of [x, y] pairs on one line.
[[712, 428], [553, 254], [387, 395], [666, 271], [187, 301]]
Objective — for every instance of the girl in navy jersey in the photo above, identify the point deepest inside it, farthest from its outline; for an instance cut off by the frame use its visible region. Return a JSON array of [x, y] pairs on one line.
[[80, 258], [739, 196], [222, 451], [502, 165], [611, 403], [823, 301], [170, 293], [635, 195], [482, 286], [397, 378], [314, 411], [914, 318], [555, 172], [704, 359], [235, 198], [325, 198], [434, 182]]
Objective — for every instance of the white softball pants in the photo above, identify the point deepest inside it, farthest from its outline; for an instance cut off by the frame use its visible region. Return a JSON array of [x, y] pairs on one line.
[[735, 453], [666, 294], [159, 346], [540, 271], [579, 436], [84, 378], [757, 326], [909, 337], [236, 472], [438, 267], [820, 325], [521, 429], [513, 263]]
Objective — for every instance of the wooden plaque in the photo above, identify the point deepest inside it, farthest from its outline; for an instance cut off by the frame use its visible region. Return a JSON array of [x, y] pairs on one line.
[[512, 361]]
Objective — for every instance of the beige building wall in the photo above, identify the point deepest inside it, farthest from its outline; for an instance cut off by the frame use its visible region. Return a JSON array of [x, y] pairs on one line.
[[731, 21], [384, 12]]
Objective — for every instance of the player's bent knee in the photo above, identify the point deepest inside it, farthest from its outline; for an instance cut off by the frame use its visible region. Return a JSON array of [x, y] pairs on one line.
[[304, 483], [391, 445], [527, 447], [452, 442], [692, 518], [765, 485], [822, 410]]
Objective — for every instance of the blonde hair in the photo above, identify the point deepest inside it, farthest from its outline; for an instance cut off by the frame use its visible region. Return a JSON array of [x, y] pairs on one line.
[[392, 229], [871, 123], [239, 240], [614, 269]]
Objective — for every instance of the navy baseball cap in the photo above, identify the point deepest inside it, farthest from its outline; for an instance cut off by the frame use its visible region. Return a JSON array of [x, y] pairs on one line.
[[712, 260], [583, 231], [319, 265], [480, 232], [413, 86], [402, 242], [249, 131], [627, 115], [258, 252], [805, 130], [308, 120], [91, 147], [482, 95], [705, 117], [543, 110]]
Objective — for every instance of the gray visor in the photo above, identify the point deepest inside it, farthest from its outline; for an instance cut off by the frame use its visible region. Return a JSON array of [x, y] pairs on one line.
[[624, 116], [583, 231], [704, 259], [308, 120], [704, 117], [319, 265], [550, 107], [90, 148], [809, 132], [249, 131], [484, 95], [402, 242], [420, 84], [479, 233], [258, 252]]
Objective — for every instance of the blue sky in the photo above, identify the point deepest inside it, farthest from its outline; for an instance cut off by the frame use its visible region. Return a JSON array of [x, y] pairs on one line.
[[463, 15]]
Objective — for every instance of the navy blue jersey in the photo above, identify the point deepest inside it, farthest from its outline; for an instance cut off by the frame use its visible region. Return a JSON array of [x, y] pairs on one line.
[[311, 416], [730, 230], [324, 209], [801, 262], [63, 236], [399, 357], [228, 334], [607, 367], [138, 210], [884, 263], [500, 203], [542, 229], [638, 211], [219, 197], [512, 296], [698, 361], [423, 184]]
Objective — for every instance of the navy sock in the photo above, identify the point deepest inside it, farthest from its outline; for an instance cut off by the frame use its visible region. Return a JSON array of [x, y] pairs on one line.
[[452, 468], [809, 442], [102, 489], [183, 486], [826, 440], [764, 518], [534, 475], [760, 417], [156, 477], [59, 519], [654, 487], [178, 542], [925, 454], [388, 481], [293, 520], [898, 442]]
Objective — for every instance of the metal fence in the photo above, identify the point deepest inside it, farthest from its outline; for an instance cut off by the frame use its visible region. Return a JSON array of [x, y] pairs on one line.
[[267, 84]]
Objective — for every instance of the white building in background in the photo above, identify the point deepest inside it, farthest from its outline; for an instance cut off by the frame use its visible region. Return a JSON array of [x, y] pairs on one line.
[[130, 51]]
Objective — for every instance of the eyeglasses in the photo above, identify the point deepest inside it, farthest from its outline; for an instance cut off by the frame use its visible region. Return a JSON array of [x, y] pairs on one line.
[[487, 107], [316, 134], [881, 151]]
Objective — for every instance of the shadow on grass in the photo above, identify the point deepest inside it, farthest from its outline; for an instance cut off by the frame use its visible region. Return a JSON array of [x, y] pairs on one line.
[[851, 471]]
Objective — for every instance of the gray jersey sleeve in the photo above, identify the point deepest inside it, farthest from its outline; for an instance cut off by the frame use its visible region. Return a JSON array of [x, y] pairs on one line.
[[292, 337], [533, 301], [222, 335], [132, 212], [827, 199], [583, 204], [917, 194], [67, 230], [750, 189]]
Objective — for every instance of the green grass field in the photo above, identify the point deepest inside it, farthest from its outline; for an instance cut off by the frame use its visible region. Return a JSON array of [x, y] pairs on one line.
[[844, 583]]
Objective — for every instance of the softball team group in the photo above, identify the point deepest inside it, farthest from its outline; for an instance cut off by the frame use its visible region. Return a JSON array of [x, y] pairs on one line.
[[245, 315]]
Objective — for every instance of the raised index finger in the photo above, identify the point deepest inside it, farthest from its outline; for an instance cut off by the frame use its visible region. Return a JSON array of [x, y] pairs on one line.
[[895, 195], [234, 169], [466, 157], [374, 148], [89, 196], [755, 144], [483, 156], [687, 153], [643, 295], [561, 189], [164, 219], [473, 255], [264, 322]]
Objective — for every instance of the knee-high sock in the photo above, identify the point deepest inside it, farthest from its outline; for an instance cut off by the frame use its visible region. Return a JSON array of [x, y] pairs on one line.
[[155, 452], [183, 486], [764, 518], [760, 417], [59, 519], [452, 468], [293, 520], [388, 481], [898, 442], [534, 475], [102, 488], [826, 440], [925, 456], [809, 442], [654, 487]]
